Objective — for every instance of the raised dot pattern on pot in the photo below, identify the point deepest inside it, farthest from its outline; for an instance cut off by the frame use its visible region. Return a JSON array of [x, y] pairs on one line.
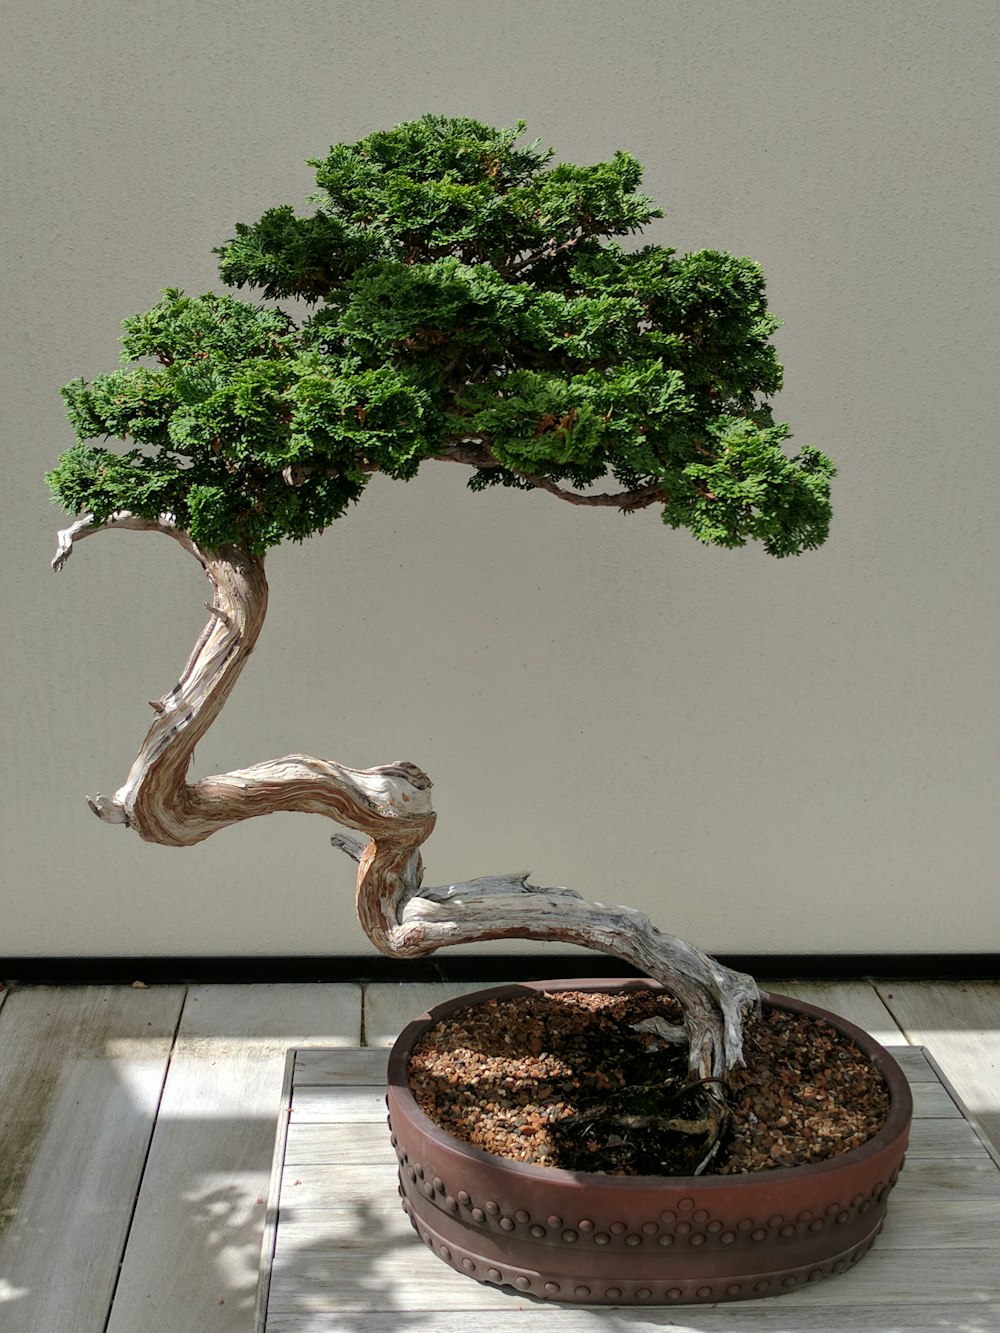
[[681, 1291], [684, 1224]]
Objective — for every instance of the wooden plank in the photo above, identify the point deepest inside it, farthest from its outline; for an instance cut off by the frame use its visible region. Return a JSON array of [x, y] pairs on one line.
[[191, 1265], [960, 1025], [914, 1063], [343, 1105], [944, 1224], [330, 1145], [942, 1139], [932, 1101], [770, 1316], [349, 1186], [362, 1065], [930, 1178], [857, 1001], [401, 1274], [81, 1072]]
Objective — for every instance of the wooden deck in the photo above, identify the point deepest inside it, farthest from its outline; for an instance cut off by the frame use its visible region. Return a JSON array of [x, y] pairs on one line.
[[137, 1129]]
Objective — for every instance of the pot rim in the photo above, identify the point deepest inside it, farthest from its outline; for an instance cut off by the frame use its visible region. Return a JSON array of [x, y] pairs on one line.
[[896, 1123]]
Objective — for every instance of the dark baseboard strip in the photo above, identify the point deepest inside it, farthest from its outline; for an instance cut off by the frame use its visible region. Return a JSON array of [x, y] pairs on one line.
[[58, 970]]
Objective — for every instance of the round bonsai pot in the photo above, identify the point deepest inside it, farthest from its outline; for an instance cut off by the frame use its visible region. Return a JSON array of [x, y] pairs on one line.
[[641, 1240]]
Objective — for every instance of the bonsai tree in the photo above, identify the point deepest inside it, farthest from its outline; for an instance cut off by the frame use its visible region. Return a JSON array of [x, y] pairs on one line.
[[469, 304]]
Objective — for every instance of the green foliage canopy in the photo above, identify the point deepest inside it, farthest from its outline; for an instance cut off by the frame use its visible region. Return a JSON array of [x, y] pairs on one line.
[[468, 302]]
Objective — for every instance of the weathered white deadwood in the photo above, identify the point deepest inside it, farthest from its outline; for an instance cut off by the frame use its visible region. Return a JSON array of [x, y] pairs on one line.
[[158, 801], [391, 805], [411, 920]]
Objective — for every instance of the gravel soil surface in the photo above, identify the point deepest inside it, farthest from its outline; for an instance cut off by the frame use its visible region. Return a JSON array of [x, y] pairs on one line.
[[564, 1080]]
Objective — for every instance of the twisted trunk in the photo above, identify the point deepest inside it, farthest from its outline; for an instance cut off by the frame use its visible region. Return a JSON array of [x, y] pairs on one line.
[[391, 806]]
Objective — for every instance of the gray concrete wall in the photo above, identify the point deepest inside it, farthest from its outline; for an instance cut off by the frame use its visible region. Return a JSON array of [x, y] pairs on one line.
[[794, 756]]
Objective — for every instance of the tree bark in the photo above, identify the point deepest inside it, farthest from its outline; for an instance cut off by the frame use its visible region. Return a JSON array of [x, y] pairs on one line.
[[391, 806]]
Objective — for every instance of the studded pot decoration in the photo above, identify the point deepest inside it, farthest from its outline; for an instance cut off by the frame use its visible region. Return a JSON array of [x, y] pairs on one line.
[[641, 1240]]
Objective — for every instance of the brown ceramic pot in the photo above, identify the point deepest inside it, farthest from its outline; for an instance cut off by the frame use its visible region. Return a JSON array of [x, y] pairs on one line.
[[641, 1240]]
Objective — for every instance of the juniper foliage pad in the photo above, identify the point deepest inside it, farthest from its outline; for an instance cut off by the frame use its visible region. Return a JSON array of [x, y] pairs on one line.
[[468, 301]]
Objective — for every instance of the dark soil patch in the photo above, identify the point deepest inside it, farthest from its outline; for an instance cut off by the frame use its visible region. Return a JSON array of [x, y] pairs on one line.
[[562, 1080]]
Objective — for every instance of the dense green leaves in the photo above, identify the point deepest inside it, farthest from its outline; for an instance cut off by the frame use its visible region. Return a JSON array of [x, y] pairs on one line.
[[468, 301]]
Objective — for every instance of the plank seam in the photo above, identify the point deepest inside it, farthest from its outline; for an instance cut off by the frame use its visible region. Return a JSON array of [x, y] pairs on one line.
[[154, 1119], [269, 1239], [875, 987]]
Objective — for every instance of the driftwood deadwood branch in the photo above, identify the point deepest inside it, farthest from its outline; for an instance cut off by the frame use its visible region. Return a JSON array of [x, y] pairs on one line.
[[391, 806]]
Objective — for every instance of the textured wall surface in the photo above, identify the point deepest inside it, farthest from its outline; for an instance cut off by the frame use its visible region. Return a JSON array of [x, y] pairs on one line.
[[796, 755]]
